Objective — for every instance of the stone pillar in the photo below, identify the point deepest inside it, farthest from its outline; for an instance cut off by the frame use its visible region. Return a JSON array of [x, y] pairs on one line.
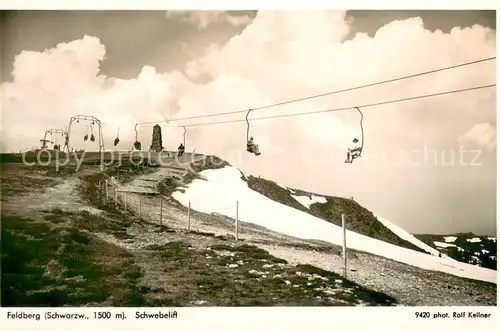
[[156, 143]]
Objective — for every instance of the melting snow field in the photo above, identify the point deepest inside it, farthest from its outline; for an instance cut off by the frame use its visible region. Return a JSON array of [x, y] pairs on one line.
[[450, 239], [223, 187], [443, 245], [306, 201], [409, 237]]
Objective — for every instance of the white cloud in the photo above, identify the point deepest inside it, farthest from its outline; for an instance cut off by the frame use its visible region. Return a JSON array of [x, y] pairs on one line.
[[203, 19], [481, 134], [282, 56]]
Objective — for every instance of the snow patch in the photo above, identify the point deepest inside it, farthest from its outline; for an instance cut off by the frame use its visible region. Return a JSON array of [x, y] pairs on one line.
[[408, 237], [443, 245], [306, 201], [244, 175], [282, 186], [492, 239], [484, 251], [450, 239], [223, 187], [474, 240]]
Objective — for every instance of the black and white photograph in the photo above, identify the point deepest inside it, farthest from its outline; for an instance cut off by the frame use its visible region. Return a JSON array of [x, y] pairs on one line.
[[248, 158]]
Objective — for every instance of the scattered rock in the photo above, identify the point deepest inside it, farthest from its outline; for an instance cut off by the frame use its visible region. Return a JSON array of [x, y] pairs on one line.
[[233, 265], [331, 291], [315, 276], [287, 282], [225, 253], [200, 302]]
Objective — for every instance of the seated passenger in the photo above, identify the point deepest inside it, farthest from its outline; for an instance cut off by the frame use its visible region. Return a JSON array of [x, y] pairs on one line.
[[252, 147], [353, 153], [180, 150]]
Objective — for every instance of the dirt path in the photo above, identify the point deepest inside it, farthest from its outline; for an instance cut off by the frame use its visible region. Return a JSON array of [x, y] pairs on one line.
[[62, 194]]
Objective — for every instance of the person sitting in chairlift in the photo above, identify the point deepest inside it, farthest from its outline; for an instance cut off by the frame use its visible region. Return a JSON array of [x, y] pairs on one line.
[[180, 150], [252, 147], [354, 152]]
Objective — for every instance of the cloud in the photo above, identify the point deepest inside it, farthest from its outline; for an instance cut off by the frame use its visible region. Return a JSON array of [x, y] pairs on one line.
[[481, 134], [281, 56], [203, 19]]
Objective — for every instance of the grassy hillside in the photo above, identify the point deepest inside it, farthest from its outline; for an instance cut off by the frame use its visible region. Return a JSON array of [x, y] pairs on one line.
[[465, 247]]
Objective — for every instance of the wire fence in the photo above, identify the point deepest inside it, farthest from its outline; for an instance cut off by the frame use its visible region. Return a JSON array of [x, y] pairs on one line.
[[153, 207]]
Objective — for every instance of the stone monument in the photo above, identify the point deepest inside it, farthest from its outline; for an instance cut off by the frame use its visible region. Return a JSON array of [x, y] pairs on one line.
[[156, 143]]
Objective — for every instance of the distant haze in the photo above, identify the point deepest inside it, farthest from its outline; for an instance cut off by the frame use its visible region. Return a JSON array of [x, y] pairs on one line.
[[429, 165]]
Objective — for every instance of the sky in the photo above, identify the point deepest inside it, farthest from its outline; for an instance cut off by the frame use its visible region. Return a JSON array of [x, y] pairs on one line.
[[428, 165]]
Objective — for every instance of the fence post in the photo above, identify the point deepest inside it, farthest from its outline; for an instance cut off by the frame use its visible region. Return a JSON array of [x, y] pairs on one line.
[[116, 195], [344, 251], [189, 216], [140, 207], [107, 193], [125, 200], [236, 221], [161, 209]]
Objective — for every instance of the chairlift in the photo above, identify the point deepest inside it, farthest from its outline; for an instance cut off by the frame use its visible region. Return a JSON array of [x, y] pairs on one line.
[[252, 147], [117, 139], [182, 147], [92, 137], [354, 153], [137, 144]]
